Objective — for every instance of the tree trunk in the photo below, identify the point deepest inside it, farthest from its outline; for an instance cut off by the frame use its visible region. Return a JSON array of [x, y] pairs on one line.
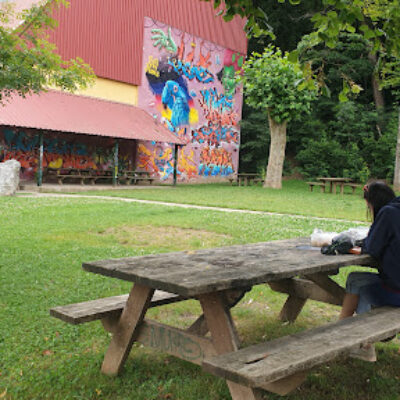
[[396, 181], [377, 92], [276, 158]]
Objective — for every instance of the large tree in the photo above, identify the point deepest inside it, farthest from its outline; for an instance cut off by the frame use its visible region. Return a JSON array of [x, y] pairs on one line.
[[29, 63], [378, 21], [278, 87]]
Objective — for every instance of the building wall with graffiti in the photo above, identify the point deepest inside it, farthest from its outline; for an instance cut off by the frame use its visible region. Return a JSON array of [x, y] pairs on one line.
[[62, 150], [189, 85]]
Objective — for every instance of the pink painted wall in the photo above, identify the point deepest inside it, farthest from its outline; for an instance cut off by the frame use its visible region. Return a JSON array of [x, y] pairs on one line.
[[188, 85]]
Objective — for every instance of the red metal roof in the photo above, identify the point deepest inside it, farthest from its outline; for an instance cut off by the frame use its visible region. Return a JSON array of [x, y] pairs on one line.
[[64, 112], [108, 35]]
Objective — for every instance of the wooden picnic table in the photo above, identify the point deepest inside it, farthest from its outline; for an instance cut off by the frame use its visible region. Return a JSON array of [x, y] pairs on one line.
[[134, 176], [334, 182], [246, 179], [217, 278], [71, 174]]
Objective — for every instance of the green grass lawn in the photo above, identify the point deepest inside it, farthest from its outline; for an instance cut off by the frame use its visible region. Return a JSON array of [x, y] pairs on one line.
[[295, 198], [43, 243]]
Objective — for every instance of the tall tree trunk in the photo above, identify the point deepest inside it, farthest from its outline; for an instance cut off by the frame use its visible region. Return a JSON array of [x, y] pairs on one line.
[[396, 180], [377, 92], [276, 158]]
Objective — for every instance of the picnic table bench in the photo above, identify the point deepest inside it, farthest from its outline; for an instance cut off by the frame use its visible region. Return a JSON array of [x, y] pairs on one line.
[[218, 279], [246, 179], [135, 177], [333, 183], [73, 174]]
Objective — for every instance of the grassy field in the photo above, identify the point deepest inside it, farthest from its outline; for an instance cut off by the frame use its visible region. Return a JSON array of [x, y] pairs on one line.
[[295, 198], [43, 243]]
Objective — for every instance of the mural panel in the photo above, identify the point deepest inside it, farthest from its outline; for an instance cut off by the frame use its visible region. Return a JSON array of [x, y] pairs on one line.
[[62, 151], [188, 84]]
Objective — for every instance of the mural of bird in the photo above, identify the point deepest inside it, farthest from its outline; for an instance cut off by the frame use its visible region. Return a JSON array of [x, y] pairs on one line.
[[174, 97]]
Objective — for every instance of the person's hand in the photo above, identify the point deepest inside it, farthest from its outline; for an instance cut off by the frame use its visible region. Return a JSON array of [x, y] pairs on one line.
[[355, 250]]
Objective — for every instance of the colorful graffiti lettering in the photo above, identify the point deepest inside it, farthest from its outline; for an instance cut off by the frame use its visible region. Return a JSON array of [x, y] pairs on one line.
[[158, 159], [214, 135], [202, 74], [217, 108], [184, 93], [152, 66], [58, 153], [213, 99], [214, 162], [186, 164]]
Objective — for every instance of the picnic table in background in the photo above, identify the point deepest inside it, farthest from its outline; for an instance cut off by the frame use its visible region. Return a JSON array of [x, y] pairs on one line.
[[333, 183], [82, 175], [246, 179], [218, 279], [71, 174], [134, 177]]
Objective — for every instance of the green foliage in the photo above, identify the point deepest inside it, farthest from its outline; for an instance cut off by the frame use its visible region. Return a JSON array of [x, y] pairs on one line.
[[254, 131], [276, 85], [326, 157], [29, 62], [347, 144]]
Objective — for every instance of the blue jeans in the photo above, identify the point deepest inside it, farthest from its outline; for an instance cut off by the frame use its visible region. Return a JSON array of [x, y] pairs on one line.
[[369, 287]]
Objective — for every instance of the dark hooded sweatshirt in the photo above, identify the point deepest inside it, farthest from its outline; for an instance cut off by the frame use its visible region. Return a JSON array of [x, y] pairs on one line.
[[383, 243]]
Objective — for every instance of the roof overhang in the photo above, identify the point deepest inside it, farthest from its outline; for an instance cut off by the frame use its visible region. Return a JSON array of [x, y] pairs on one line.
[[64, 112]]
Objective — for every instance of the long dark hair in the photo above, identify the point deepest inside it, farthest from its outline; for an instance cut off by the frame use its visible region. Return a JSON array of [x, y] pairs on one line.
[[378, 194]]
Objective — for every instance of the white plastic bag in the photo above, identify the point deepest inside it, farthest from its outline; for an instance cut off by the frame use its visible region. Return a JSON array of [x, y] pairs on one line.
[[320, 238], [353, 234]]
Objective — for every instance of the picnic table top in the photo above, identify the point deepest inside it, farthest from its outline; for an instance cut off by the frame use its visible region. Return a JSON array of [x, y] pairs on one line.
[[334, 179], [191, 273]]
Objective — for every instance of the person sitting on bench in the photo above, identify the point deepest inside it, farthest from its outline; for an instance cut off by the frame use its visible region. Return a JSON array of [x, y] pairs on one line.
[[365, 290]]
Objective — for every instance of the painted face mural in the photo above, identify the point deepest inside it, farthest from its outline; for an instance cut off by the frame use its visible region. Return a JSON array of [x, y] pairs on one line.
[[188, 84]]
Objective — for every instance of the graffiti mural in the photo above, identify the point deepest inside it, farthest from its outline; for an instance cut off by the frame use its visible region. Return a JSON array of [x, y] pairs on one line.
[[60, 151], [188, 84]]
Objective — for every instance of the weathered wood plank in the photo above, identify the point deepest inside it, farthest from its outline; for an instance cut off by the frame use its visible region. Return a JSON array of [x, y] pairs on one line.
[[304, 289], [224, 338], [286, 385], [328, 285], [261, 364], [292, 308], [92, 310], [174, 341], [193, 273], [123, 337]]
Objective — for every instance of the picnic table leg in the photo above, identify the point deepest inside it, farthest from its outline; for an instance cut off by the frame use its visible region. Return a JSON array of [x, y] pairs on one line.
[[292, 308], [334, 187], [329, 285], [224, 338], [341, 188], [124, 333]]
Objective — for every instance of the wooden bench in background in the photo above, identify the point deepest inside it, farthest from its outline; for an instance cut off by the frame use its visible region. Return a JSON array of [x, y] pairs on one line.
[[320, 184], [246, 179], [353, 186], [133, 177], [281, 365]]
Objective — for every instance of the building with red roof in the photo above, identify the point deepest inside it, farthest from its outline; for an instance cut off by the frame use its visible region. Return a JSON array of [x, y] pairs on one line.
[[165, 76]]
